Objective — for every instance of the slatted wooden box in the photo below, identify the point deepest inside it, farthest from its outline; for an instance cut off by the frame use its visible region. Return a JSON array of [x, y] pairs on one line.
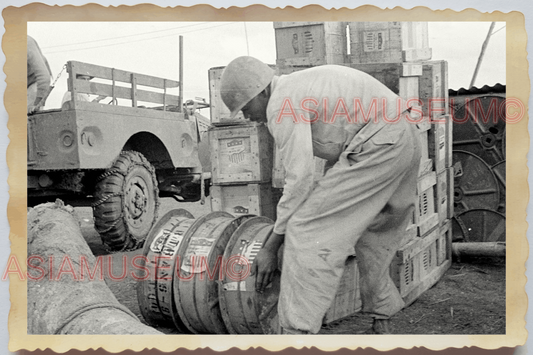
[[348, 298], [239, 200], [433, 88], [388, 42], [310, 43], [419, 264], [426, 216], [241, 154]]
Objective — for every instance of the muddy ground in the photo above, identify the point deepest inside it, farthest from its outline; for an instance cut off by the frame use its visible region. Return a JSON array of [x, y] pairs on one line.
[[469, 299]]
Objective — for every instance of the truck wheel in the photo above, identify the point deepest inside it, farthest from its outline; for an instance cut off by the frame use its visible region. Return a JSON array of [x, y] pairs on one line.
[[126, 201]]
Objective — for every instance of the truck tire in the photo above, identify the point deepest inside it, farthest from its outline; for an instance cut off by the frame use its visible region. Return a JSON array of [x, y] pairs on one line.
[[126, 202]]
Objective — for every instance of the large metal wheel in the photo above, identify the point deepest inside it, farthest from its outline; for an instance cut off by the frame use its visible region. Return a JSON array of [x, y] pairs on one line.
[[479, 225], [479, 128], [499, 172], [126, 201], [476, 186]]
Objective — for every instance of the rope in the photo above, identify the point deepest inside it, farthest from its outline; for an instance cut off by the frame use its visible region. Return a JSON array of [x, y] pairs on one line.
[[105, 198], [77, 313], [108, 173]]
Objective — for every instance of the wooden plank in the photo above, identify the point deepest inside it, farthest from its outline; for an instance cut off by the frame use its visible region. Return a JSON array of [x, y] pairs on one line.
[[437, 145], [219, 112], [120, 75], [347, 298], [124, 93], [450, 181], [441, 197], [427, 283], [434, 88], [426, 167], [427, 181], [416, 245], [426, 224], [409, 87], [416, 54]]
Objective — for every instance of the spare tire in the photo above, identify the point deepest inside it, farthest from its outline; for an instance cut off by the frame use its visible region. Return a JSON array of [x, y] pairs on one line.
[[126, 201]]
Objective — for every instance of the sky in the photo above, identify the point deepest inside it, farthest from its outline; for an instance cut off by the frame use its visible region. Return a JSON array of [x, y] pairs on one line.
[[152, 48]]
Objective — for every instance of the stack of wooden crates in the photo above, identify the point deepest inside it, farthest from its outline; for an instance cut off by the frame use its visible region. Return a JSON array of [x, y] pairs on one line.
[[241, 159], [398, 55], [248, 175]]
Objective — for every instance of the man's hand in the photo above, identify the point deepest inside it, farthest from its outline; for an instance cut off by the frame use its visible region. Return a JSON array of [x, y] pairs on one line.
[[266, 261], [33, 108]]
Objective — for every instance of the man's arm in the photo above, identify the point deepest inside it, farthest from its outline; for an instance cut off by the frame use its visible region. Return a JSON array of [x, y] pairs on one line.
[[39, 70], [295, 145]]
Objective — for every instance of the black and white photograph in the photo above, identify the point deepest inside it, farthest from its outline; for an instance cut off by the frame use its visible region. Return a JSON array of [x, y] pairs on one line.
[[299, 178]]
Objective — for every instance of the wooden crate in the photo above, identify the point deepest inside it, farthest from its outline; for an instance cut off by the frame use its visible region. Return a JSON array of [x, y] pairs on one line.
[[409, 88], [278, 171], [310, 43], [239, 200], [441, 196], [418, 265], [426, 216], [433, 88], [219, 111], [444, 243], [389, 74], [437, 147], [347, 299], [451, 187], [241, 154], [388, 42]]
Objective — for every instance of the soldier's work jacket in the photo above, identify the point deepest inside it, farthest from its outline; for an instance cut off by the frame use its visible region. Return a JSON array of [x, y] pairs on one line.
[[317, 112]]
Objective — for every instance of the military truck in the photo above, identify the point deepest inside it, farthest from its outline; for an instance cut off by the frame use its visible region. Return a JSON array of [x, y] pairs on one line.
[[118, 154]]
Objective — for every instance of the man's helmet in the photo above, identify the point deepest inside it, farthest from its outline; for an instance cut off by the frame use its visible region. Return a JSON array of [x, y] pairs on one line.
[[242, 80]]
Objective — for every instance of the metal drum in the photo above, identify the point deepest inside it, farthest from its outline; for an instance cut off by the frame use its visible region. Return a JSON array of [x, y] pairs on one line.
[[479, 225], [244, 310], [476, 186], [155, 287], [201, 266], [479, 128]]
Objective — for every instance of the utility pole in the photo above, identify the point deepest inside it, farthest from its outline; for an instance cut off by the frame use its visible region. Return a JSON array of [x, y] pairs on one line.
[[480, 59]]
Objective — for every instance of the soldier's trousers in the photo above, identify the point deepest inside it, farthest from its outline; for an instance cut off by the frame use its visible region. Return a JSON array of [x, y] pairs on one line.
[[362, 205]]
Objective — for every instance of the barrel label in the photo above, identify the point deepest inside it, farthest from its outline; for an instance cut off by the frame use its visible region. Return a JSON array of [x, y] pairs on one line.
[[234, 286], [249, 251], [165, 268], [198, 250], [159, 240]]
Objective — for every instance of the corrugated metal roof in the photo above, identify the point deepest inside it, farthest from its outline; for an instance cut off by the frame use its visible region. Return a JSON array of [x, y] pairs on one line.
[[498, 88]]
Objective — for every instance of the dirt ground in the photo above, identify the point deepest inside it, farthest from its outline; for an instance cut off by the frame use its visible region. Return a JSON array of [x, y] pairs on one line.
[[469, 299]]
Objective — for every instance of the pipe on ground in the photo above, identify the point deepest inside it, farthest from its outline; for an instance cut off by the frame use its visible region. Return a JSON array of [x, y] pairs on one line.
[[487, 249], [67, 304]]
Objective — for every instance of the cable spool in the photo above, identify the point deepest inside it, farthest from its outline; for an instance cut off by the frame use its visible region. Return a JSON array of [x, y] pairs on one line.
[[479, 128], [476, 186], [154, 290], [244, 310], [201, 264]]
